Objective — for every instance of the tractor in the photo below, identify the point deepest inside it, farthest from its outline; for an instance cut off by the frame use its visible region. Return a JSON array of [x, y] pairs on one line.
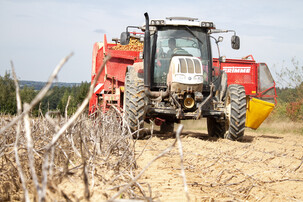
[[174, 78]]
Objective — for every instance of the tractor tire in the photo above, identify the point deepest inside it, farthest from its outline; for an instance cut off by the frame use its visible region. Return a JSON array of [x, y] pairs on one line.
[[235, 104], [167, 127], [215, 128], [134, 102]]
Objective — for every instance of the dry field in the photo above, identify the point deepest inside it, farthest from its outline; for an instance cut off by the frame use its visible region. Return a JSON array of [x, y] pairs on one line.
[[97, 159], [92, 152]]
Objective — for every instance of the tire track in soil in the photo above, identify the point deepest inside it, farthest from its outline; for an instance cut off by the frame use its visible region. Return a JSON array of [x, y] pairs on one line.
[[260, 167]]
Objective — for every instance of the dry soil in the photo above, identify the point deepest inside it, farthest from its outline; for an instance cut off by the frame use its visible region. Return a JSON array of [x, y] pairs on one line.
[[261, 167]]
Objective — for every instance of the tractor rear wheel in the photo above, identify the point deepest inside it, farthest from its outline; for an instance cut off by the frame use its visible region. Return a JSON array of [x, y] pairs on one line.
[[134, 101], [215, 128], [235, 104]]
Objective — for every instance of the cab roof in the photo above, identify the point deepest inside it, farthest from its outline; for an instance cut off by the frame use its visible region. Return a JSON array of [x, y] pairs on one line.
[[179, 21]]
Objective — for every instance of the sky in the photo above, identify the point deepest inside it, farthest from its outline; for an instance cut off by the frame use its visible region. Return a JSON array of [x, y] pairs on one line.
[[37, 34]]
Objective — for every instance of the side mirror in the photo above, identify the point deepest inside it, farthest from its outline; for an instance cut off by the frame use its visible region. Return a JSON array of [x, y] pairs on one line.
[[235, 42], [124, 38]]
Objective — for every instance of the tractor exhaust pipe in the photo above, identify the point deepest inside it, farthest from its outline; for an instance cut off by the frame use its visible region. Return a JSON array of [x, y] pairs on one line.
[[147, 79], [147, 65]]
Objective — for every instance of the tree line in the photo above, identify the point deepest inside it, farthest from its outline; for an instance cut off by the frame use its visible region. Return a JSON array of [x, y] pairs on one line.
[[290, 103], [290, 95], [56, 99]]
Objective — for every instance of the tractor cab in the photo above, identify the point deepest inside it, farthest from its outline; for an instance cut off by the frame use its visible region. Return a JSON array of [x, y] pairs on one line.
[[181, 54]]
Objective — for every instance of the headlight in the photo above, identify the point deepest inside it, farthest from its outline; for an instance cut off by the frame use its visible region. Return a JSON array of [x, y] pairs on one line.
[[198, 78], [180, 78]]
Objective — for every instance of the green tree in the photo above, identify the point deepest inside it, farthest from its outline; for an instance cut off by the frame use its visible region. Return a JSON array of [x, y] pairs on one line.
[[7, 95], [27, 94], [63, 102], [291, 95], [77, 94], [51, 100], [81, 92]]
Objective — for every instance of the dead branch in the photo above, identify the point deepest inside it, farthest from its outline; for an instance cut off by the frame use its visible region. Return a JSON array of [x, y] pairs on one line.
[[299, 165], [178, 133], [66, 107], [30, 151], [19, 110]]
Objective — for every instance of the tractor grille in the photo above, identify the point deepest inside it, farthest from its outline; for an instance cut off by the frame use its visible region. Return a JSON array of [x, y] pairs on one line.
[[189, 65]]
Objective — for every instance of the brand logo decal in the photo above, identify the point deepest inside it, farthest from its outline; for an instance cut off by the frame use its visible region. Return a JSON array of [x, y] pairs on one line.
[[237, 69]]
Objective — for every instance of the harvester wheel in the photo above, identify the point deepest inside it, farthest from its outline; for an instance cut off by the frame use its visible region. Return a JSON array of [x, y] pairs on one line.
[[235, 104], [215, 128], [134, 102], [167, 127]]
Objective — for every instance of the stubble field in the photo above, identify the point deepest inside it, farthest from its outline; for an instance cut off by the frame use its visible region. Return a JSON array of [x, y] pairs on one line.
[[97, 159]]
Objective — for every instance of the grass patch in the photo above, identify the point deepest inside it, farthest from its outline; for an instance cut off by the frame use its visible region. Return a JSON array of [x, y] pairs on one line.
[[268, 126], [280, 126]]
